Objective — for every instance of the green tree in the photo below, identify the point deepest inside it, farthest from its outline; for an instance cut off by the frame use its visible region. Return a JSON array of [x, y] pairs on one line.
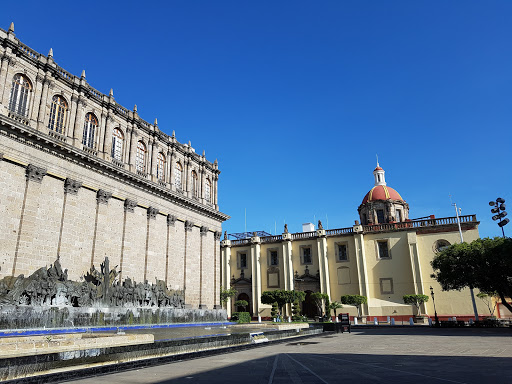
[[318, 298], [241, 303], [356, 300], [335, 305], [226, 294], [296, 311], [485, 264], [281, 297], [416, 300]]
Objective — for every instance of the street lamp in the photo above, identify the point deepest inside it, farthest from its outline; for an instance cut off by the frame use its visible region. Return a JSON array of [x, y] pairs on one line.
[[435, 312], [499, 205]]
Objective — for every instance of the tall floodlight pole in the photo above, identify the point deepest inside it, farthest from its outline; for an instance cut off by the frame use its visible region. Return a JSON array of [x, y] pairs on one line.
[[475, 310], [499, 209]]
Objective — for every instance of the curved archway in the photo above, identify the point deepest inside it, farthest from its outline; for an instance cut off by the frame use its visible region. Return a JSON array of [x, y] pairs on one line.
[[244, 296], [309, 308]]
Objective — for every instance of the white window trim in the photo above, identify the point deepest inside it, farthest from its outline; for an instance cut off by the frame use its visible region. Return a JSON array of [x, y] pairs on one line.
[[377, 251]]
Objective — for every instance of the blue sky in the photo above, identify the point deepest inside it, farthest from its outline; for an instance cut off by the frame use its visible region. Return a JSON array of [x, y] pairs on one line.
[[295, 98]]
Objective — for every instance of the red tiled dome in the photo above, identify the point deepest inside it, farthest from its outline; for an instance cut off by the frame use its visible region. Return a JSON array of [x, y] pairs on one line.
[[382, 192]]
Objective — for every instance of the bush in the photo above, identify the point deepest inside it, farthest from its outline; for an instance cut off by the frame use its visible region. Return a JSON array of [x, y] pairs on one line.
[[241, 317]]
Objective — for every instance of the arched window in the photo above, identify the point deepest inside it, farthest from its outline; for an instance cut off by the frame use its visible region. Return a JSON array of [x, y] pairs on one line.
[[208, 191], [178, 170], [195, 186], [117, 144], [58, 114], [90, 125], [20, 92], [140, 160], [160, 167]]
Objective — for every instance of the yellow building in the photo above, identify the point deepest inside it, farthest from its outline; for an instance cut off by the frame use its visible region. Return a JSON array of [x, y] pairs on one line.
[[384, 256]]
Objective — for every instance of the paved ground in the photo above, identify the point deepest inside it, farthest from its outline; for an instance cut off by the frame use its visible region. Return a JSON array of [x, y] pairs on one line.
[[383, 355]]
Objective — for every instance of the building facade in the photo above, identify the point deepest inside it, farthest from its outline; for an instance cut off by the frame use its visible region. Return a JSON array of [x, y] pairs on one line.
[[84, 178], [384, 258]]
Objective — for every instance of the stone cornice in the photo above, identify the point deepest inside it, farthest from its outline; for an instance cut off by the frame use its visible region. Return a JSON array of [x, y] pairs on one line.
[[75, 83], [39, 140]]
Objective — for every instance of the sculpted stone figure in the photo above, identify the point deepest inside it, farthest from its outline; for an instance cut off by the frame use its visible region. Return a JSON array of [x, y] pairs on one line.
[[50, 286]]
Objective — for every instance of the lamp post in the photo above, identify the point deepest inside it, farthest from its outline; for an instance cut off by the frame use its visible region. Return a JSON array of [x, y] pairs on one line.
[[499, 205], [433, 301]]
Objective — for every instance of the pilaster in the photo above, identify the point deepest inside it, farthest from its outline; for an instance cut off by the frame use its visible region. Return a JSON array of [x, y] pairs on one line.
[[362, 272], [226, 269], [416, 267], [325, 286], [256, 274]]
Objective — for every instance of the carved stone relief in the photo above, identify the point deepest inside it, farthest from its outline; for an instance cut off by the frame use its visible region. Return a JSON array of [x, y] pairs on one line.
[[35, 173], [72, 186], [188, 225], [102, 196], [152, 212], [171, 220], [129, 205]]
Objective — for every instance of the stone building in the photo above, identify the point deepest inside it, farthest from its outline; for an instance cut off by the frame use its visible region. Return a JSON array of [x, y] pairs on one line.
[[84, 178], [384, 258]]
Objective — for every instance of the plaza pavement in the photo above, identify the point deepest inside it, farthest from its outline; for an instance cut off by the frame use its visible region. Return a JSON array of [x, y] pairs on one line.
[[379, 355]]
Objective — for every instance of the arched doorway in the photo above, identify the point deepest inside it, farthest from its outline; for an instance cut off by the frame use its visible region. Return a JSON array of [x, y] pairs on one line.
[[309, 308], [244, 296]]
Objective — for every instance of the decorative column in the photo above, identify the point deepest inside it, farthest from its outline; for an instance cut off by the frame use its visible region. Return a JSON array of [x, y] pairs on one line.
[[187, 176], [73, 108], [286, 247], [79, 123], [10, 62], [42, 104], [36, 100], [154, 153], [215, 182], [256, 274], [133, 148], [362, 273], [414, 255], [172, 161], [321, 242], [106, 148], [225, 247]]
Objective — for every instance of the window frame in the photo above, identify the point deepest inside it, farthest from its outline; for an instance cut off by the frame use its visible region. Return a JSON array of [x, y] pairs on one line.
[[58, 115], [117, 144], [20, 95], [208, 190], [160, 166], [302, 254], [239, 260], [337, 251], [90, 128], [269, 257], [377, 246], [195, 184], [178, 176], [140, 157]]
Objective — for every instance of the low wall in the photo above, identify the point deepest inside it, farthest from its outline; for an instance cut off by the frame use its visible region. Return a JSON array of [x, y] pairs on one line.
[[30, 317], [54, 367]]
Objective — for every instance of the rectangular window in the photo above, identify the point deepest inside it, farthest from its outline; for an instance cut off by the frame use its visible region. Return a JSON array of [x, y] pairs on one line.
[[306, 255], [273, 258], [380, 216], [398, 215], [242, 260], [342, 252], [383, 249], [386, 286]]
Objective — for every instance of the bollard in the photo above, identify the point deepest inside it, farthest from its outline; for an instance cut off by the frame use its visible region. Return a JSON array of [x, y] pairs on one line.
[[375, 321], [392, 321], [289, 319], [259, 319], [429, 322], [411, 321], [355, 320]]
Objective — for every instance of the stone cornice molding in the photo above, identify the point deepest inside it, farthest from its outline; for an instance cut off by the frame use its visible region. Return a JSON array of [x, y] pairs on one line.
[[102, 196]]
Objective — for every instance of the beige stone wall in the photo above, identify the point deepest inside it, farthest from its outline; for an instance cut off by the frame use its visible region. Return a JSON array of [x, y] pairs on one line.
[[81, 230]]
